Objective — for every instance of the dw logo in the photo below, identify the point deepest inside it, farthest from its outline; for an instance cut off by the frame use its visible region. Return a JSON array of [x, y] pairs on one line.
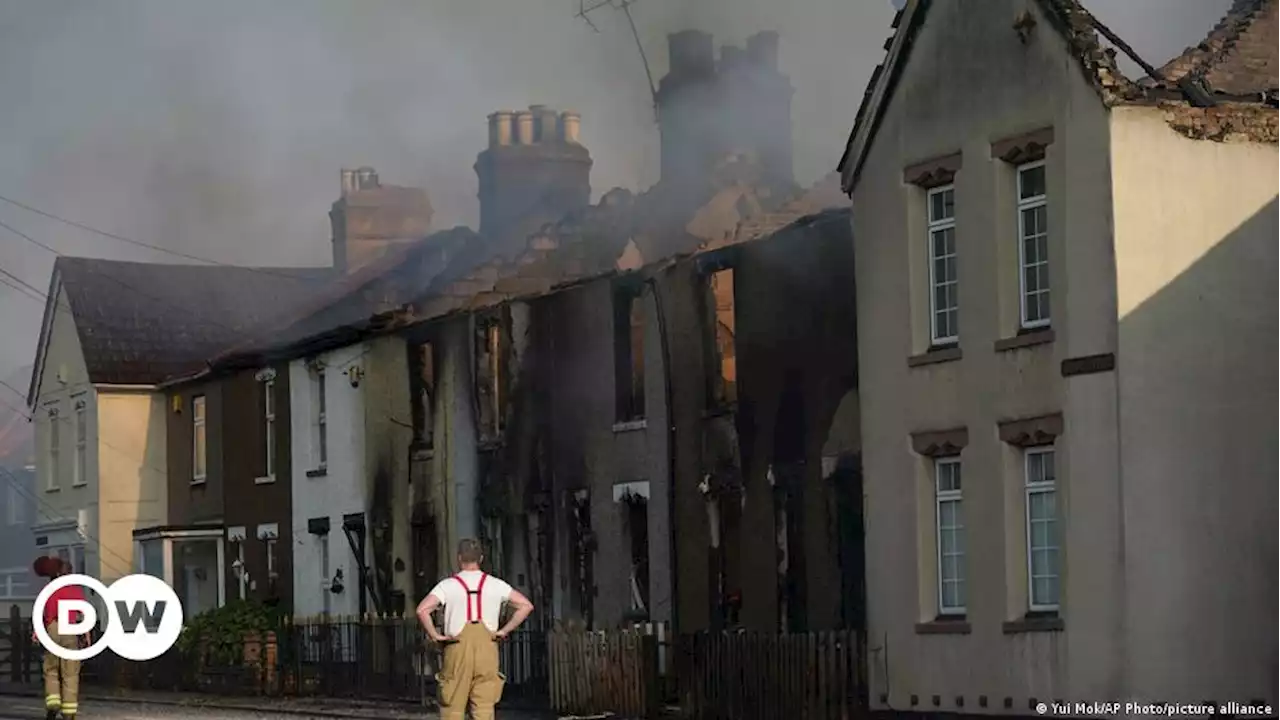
[[144, 617]]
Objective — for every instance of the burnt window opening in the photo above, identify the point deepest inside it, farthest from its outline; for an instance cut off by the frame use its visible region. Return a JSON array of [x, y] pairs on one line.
[[583, 544], [490, 375], [422, 388], [628, 350], [723, 371], [637, 525]]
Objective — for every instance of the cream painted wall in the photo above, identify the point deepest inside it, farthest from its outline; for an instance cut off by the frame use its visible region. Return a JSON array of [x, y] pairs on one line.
[[1196, 259], [132, 459], [971, 82]]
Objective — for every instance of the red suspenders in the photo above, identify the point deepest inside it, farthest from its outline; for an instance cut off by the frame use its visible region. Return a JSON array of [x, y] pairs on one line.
[[477, 617]]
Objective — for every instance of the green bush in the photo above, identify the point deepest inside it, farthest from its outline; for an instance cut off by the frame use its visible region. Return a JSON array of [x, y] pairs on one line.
[[219, 634]]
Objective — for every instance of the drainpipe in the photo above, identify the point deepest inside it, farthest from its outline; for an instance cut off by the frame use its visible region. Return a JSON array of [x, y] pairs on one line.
[[671, 455]]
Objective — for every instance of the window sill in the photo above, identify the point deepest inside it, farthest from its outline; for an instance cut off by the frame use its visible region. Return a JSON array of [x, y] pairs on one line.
[[944, 625], [198, 481], [265, 480], [630, 425], [936, 355], [1026, 339], [1034, 623], [79, 484], [318, 472], [52, 489]]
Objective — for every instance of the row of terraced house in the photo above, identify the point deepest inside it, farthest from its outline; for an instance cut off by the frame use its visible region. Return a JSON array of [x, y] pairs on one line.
[[1025, 445]]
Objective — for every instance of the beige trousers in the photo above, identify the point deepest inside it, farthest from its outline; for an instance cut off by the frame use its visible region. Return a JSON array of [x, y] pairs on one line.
[[470, 677], [61, 677]]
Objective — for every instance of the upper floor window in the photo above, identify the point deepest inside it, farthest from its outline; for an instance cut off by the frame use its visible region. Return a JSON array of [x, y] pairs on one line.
[[199, 440], [950, 536], [82, 445], [321, 421], [944, 287], [422, 384], [269, 415], [490, 374], [17, 501], [1042, 530], [1033, 245], [55, 451], [720, 316], [628, 351]]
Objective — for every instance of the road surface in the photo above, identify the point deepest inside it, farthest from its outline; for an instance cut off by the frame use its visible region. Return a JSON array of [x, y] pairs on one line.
[[22, 708]]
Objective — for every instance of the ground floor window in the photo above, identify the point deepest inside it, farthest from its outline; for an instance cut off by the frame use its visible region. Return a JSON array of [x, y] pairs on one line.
[[190, 560], [16, 584]]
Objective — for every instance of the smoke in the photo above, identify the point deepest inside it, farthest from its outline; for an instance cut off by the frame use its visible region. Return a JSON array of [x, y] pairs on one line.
[[218, 128]]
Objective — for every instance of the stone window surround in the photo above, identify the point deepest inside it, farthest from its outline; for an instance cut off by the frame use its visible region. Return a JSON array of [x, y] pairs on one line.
[[1015, 150], [934, 445], [927, 175], [1023, 434]]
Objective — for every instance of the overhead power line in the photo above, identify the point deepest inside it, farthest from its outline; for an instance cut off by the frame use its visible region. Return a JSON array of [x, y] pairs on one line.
[[110, 277], [139, 243]]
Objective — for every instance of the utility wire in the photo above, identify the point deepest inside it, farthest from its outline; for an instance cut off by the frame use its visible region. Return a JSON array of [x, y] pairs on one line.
[[139, 243], [54, 514], [112, 278]]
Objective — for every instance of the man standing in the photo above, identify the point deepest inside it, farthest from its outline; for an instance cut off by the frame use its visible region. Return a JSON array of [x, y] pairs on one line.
[[61, 677], [472, 604]]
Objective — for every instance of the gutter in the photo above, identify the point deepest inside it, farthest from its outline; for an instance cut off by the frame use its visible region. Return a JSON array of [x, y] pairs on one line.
[[671, 455]]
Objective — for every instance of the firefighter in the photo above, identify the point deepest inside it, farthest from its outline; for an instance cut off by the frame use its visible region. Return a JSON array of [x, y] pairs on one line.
[[472, 602], [61, 677]]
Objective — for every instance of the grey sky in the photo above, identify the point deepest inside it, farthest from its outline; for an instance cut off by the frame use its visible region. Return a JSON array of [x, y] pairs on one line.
[[218, 128]]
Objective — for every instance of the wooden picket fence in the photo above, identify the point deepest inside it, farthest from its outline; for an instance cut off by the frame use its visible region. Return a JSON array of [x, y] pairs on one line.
[[614, 671], [19, 655], [761, 676]]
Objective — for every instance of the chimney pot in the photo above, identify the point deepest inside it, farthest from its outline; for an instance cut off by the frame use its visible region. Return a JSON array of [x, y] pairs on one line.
[[348, 182], [570, 124], [545, 124], [691, 52], [500, 128], [762, 48], [366, 178], [524, 127]]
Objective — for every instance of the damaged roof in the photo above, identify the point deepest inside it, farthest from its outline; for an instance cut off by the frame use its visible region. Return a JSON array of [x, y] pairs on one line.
[[140, 323], [382, 285], [1237, 59], [621, 233]]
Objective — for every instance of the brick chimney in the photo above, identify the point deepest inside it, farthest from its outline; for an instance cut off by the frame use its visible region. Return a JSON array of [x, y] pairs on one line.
[[370, 218], [534, 171], [708, 109]]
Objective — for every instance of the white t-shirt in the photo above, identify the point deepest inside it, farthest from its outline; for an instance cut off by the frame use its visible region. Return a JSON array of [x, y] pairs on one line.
[[455, 599]]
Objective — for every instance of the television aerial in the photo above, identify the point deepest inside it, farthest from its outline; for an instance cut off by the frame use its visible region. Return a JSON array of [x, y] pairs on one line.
[[585, 8]]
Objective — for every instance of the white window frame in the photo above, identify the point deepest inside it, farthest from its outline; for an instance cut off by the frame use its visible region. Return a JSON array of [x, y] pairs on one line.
[[941, 497], [199, 428], [1031, 203], [55, 450], [1038, 488], [322, 426], [9, 577], [81, 469], [939, 225], [269, 413], [15, 514]]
